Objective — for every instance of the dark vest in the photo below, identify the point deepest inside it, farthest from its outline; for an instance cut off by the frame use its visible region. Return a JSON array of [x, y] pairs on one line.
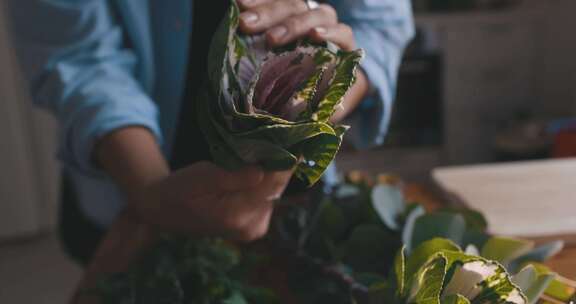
[[190, 146]]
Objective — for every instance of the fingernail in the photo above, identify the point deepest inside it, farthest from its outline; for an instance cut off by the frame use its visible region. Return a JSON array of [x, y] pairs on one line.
[[249, 17], [321, 30], [278, 32]]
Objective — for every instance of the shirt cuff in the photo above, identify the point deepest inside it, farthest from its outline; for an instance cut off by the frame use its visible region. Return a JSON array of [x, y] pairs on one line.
[[79, 138]]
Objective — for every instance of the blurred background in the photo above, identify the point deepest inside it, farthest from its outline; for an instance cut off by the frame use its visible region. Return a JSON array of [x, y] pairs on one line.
[[484, 81]]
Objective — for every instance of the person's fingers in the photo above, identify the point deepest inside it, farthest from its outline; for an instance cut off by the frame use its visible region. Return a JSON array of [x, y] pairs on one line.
[[274, 184], [248, 4], [300, 25], [340, 34], [207, 177], [245, 178], [261, 18], [259, 225], [237, 210]]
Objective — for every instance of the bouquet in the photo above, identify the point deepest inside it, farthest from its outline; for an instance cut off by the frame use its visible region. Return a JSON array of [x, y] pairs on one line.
[[273, 108]]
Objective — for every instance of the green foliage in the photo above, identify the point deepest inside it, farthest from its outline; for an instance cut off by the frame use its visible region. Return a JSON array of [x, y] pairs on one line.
[[180, 270], [388, 201], [560, 289], [356, 244], [422, 254], [532, 283]]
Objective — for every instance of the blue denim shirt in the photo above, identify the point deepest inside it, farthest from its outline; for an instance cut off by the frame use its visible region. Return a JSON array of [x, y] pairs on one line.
[[102, 65]]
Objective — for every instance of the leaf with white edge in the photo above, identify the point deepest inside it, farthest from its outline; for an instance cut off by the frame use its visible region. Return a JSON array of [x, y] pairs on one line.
[[504, 249], [388, 201], [467, 278], [465, 274], [344, 78], [428, 281], [400, 271], [454, 299], [423, 254], [501, 290], [318, 153], [408, 231], [531, 283]]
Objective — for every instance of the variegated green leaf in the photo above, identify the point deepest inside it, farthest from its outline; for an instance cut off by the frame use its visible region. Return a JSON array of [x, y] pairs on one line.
[[344, 78], [400, 271], [427, 250], [480, 280], [427, 286], [273, 132]]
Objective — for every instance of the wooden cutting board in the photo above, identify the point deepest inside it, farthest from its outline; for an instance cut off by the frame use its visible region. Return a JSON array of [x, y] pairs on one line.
[[535, 199]]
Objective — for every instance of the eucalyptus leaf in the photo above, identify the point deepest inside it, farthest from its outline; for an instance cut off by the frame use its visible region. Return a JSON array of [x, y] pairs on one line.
[[388, 201], [505, 249], [560, 288], [539, 254], [438, 225], [532, 283], [409, 226], [475, 221]]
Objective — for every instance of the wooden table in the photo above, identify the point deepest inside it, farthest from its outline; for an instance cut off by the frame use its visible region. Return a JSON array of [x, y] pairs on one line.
[[520, 187], [525, 199]]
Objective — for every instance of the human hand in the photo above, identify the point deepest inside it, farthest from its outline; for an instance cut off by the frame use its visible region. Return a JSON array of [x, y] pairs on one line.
[[206, 200], [284, 21]]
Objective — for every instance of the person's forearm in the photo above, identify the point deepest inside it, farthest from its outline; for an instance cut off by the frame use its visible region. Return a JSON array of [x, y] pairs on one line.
[[353, 98], [132, 157]]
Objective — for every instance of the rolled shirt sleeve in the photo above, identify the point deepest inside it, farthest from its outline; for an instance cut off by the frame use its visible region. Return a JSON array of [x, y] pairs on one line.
[[73, 56], [383, 28]]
